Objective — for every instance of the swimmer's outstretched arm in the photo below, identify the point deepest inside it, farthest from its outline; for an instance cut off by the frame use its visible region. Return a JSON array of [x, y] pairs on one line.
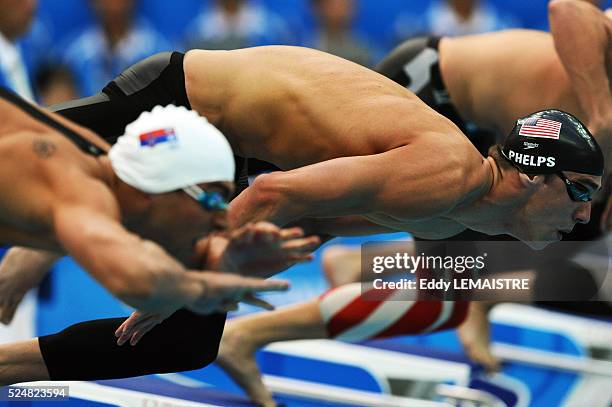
[[417, 181], [258, 249], [583, 39], [137, 271]]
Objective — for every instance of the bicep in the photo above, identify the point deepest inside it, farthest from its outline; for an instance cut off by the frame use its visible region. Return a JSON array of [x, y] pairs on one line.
[[78, 225]]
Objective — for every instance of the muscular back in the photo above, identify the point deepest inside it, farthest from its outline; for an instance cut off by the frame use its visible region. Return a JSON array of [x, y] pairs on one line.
[[495, 78], [294, 106], [38, 166]]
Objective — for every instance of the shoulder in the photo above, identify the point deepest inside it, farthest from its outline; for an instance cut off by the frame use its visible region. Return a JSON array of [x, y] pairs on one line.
[[47, 155], [43, 163]]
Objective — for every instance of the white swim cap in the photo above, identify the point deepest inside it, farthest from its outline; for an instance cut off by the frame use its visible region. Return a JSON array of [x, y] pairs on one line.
[[171, 148]]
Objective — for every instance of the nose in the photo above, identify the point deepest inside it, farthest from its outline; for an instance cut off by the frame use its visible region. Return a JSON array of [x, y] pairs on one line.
[[583, 213]]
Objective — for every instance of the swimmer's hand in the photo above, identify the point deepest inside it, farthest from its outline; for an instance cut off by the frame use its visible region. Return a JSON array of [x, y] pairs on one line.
[[21, 270], [222, 293], [263, 249]]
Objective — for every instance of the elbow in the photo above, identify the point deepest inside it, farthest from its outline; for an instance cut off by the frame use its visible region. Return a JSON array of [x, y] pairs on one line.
[[268, 187], [270, 198]]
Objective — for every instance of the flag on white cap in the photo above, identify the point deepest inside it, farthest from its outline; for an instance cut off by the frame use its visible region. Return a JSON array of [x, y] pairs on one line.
[[171, 148]]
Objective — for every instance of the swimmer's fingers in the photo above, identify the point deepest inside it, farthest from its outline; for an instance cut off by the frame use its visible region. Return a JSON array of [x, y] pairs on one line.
[[257, 302], [125, 329], [138, 331], [119, 331], [303, 245], [235, 286], [228, 306], [300, 257], [224, 287], [257, 233], [256, 285], [141, 330], [135, 322], [246, 235], [291, 233], [266, 232], [135, 316]]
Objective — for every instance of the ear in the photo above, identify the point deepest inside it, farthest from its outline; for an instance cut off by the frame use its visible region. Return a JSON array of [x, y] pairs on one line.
[[531, 181]]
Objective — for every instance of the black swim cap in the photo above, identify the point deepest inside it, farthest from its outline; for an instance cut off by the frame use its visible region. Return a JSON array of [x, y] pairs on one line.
[[550, 141]]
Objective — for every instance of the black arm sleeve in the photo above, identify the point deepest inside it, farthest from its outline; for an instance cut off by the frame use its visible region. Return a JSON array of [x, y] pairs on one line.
[[89, 351], [157, 80]]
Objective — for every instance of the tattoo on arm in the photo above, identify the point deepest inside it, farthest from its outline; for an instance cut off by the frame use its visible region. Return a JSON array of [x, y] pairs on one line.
[[43, 148]]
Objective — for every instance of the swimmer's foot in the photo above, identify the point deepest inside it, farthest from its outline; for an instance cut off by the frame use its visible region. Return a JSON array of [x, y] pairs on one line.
[[474, 335], [237, 359]]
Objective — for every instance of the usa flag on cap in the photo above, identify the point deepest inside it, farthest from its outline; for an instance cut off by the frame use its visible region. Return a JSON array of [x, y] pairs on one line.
[[154, 137], [540, 128]]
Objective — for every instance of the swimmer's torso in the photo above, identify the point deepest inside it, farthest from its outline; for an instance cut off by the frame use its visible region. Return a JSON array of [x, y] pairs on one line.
[[495, 78], [293, 107], [434, 229]]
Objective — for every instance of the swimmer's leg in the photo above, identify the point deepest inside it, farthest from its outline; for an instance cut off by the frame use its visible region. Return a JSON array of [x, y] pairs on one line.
[[341, 313], [342, 264], [88, 351], [245, 335], [21, 362]]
